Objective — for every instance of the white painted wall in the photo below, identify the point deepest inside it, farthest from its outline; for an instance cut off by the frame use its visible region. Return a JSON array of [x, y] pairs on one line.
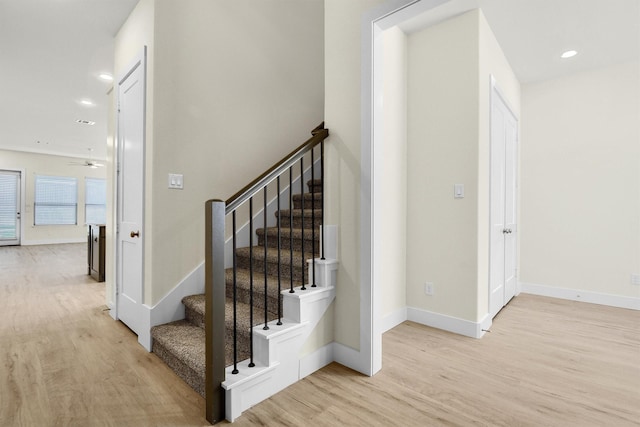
[[449, 71], [392, 188], [43, 164], [232, 87], [442, 151], [580, 192], [343, 44]]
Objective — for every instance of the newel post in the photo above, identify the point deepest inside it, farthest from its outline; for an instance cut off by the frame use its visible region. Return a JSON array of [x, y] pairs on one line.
[[214, 310]]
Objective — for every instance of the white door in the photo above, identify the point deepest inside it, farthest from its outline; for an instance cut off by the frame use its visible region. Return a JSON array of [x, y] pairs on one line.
[[10, 207], [502, 250], [130, 248]]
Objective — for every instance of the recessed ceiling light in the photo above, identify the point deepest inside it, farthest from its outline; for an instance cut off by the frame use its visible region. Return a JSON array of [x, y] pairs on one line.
[[86, 102], [106, 77], [568, 54]]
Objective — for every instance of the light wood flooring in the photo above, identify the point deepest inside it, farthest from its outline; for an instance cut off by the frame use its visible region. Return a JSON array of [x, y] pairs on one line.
[[546, 362]]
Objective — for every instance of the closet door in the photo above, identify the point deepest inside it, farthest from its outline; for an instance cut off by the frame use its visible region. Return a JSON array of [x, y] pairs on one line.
[[503, 214]]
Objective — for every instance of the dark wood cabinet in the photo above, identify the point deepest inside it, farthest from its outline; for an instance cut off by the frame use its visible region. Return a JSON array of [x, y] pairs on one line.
[[96, 251]]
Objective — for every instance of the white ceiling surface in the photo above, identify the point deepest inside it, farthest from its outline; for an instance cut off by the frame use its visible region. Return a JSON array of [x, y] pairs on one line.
[[51, 53], [533, 33]]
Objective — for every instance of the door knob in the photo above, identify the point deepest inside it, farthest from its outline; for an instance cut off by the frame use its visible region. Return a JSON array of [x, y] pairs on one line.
[[507, 231], [135, 234]]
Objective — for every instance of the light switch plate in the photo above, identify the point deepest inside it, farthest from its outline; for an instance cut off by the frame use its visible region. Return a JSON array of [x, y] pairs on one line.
[[458, 191], [176, 181]]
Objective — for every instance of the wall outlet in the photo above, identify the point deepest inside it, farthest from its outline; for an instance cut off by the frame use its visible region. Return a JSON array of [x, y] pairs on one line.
[[635, 279], [428, 288]]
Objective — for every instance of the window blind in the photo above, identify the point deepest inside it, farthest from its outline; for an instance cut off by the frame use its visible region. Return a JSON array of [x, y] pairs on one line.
[[56, 200], [95, 208]]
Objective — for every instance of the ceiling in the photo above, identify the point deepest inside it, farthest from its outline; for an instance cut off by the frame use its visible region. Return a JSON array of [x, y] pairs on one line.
[[52, 52], [534, 33], [51, 55]]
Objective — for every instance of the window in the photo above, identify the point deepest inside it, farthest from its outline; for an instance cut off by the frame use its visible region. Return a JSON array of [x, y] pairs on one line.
[[95, 207], [56, 200]]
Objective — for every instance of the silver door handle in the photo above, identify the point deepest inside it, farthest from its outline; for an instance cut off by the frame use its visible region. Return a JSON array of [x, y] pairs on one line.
[[507, 231]]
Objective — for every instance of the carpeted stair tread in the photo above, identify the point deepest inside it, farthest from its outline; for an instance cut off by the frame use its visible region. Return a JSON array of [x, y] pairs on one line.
[[272, 256], [299, 268], [314, 182], [243, 286], [184, 339], [195, 303], [285, 232], [311, 200], [286, 235], [194, 309], [307, 213], [182, 346], [299, 215]]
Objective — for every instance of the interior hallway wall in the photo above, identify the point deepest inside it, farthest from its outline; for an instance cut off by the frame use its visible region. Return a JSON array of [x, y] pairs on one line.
[[580, 222]]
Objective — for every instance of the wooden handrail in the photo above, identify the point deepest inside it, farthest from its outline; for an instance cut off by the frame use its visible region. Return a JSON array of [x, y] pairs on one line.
[[319, 133]]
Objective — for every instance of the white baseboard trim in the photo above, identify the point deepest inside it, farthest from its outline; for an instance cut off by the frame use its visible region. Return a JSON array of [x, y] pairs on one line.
[[619, 301], [316, 360], [348, 357], [170, 307], [447, 323], [53, 241], [393, 319]]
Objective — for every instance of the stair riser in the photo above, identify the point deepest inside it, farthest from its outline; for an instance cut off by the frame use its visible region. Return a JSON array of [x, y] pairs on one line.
[[315, 185], [285, 243], [272, 269], [243, 340], [297, 222], [244, 296], [193, 317], [308, 202], [188, 375]]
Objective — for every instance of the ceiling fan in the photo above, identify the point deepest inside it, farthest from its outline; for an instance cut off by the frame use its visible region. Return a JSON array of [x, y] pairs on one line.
[[87, 163]]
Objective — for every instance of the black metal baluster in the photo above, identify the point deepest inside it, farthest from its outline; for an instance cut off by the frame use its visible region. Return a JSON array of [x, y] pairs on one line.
[[304, 262], [266, 316], [313, 222], [291, 291], [322, 199], [235, 300], [279, 257], [251, 364]]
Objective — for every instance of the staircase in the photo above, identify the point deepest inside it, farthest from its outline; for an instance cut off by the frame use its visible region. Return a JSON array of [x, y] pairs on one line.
[[181, 344]]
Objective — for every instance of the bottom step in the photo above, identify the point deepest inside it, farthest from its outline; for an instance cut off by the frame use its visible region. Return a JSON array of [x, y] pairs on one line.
[[181, 346]]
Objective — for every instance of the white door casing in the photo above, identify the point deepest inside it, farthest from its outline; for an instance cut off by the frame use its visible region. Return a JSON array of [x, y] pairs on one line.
[[130, 199], [10, 207], [503, 203]]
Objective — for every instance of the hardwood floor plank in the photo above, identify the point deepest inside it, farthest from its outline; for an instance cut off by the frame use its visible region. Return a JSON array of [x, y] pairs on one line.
[[546, 362]]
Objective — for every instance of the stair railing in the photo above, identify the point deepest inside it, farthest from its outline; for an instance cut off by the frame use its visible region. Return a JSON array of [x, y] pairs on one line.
[[215, 281]]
